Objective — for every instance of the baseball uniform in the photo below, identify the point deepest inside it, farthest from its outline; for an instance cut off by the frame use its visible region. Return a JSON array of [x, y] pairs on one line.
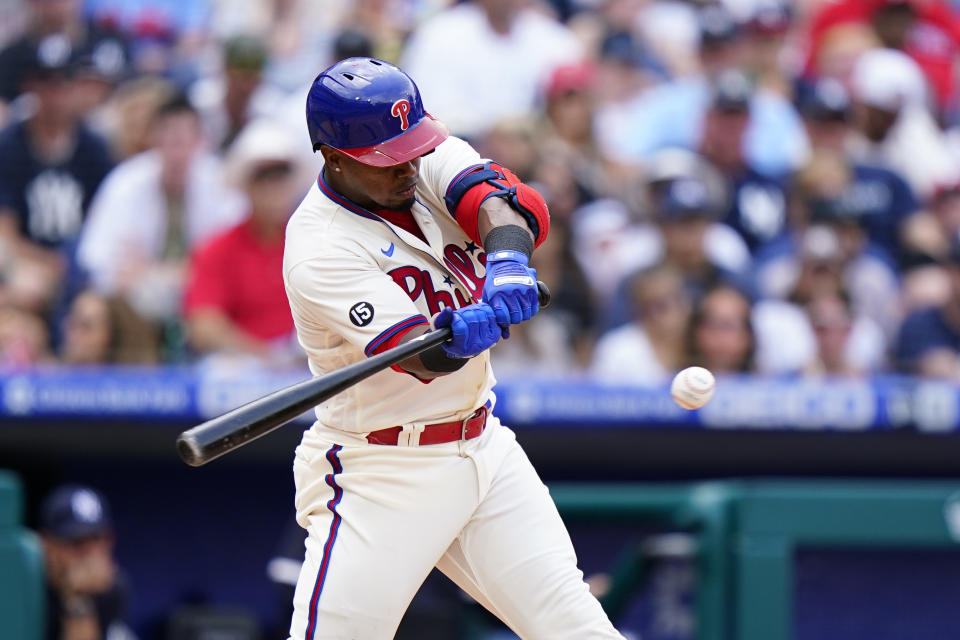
[[382, 506]]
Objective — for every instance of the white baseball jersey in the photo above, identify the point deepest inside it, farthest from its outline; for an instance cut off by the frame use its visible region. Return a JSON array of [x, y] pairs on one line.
[[355, 281]]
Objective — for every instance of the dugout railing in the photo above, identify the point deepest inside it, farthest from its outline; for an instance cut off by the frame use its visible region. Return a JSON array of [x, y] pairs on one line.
[[746, 535]]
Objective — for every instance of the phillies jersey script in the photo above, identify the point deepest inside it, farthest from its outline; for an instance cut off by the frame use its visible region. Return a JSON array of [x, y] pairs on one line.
[[356, 283]]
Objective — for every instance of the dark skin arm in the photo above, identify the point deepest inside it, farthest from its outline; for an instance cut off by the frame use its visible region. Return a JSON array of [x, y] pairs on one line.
[[494, 212]]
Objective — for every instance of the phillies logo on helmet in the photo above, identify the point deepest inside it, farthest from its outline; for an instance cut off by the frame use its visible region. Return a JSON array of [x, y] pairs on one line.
[[400, 109]]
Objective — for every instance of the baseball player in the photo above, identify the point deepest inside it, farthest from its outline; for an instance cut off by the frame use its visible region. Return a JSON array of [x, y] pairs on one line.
[[407, 229]]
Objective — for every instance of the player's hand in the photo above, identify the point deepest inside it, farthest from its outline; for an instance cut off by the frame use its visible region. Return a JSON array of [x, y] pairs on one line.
[[474, 327], [510, 287]]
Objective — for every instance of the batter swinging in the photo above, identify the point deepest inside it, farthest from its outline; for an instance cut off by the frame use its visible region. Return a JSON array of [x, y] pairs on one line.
[[405, 230]]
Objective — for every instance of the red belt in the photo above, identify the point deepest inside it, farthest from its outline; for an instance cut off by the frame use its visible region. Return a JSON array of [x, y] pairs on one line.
[[470, 427]]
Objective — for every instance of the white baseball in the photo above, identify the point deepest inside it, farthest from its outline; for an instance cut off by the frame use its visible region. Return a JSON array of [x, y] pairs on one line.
[[692, 387]]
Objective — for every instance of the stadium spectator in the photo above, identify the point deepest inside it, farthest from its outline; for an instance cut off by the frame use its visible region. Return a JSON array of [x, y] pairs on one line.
[[894, 126], [687, 235], [151, 211], [831, 319], [929, 31], [100, 330], [50, 166], [829, 248], [166, 36], [720, 336], [703, 250], [86, 591], [608, 245], [651, 348], [567, 132], [235, 300], [820, 266], [557, 342], [928, 234], [103, 51], [672, 113], [514, 142], [227, 101], [929, 340], [495, 53], [882, 199], [757, 206], [126, 118], [24, 339]]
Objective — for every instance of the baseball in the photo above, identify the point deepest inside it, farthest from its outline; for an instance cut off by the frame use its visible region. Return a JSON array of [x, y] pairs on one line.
[[692, 387]]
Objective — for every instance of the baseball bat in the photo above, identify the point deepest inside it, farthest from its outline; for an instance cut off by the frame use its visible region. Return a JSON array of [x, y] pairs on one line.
[[223, 434]]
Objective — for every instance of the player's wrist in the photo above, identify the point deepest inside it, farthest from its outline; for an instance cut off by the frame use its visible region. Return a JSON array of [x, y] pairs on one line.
[[78, 606], [440, 360], [511, 242]]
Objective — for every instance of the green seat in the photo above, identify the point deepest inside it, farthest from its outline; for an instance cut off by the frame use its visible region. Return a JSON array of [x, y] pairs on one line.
[[21, 568]]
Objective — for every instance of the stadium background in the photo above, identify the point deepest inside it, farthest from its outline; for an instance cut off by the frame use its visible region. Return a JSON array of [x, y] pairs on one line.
[[810, 148]]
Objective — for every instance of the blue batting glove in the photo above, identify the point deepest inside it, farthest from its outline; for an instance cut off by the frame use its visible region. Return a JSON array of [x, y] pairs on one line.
[[510, 287], [474, 327]]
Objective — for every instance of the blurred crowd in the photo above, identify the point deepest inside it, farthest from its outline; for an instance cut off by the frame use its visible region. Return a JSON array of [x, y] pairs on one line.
[[748, 185]]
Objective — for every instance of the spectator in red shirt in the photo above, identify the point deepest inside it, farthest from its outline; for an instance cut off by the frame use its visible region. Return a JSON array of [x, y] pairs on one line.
[[927, 30], [235, 301]]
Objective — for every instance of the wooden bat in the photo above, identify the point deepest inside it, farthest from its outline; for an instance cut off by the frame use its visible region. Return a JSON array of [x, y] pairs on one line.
[[223, 434]]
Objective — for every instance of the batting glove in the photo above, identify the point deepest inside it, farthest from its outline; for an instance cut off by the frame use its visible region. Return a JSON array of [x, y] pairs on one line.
[[474, 327], [510, 287]]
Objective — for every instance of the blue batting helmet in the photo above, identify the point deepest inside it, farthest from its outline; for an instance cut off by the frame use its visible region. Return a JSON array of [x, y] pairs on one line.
[[371, 111]]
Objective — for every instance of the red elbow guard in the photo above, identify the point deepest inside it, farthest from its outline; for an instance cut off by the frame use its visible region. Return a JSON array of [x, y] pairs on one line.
[[474, 185]]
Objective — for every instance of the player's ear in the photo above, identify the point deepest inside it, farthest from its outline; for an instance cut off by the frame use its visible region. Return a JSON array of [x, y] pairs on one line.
[[331, 158]]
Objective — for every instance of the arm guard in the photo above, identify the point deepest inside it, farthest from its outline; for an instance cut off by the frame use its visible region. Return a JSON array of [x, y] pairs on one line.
[[477, 183]]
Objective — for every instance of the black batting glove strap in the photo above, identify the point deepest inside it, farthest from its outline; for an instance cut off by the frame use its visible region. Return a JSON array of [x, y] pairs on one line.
[[437, 360], [509, 237]]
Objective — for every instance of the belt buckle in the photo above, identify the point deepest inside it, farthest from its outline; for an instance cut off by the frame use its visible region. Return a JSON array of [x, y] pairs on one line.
[[463, 423]]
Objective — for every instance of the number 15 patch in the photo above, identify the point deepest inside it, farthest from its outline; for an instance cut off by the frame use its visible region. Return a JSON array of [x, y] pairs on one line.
[[361, 314]]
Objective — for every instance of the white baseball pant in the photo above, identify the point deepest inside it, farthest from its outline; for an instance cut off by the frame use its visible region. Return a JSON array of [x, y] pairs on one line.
[[380, 517]]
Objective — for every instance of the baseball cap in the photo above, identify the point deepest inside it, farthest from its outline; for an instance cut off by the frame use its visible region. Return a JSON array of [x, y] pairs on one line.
[[568, 78], [826, 100], [732, 90], [74, 512], [245, 52], [717, 25], [352, 43], [262, 141], [888, 79], [684, 199], [770, 17], [835, 209], [53, 57]]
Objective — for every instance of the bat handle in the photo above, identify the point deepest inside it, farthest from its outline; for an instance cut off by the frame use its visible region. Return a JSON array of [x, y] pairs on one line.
[[543, 294]]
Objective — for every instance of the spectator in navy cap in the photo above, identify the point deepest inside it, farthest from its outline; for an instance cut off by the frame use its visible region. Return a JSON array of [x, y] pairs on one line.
[[85, 592], [51, 164], [104, 51], [689, 238], [884, 200], [757, 205], [929, 340]]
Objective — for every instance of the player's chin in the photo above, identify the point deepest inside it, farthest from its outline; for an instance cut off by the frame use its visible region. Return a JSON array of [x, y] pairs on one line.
[[400, 204]]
